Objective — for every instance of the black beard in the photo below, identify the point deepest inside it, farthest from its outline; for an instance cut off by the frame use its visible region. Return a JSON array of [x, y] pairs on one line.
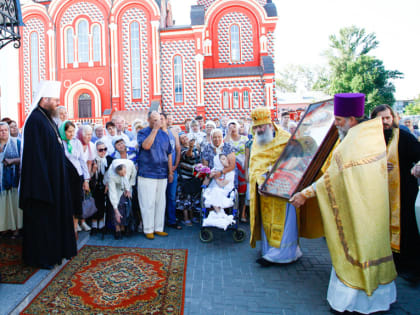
[[387, 135]]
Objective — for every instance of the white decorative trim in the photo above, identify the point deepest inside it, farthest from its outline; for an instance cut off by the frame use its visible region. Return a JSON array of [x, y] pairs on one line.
[[74, 88]]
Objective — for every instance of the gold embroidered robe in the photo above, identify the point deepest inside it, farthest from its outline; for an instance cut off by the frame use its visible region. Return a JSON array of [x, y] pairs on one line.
[[268, 210], [353, 199]]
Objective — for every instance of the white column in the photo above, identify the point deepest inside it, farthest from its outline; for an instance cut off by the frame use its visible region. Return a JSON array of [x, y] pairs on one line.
[[114, 59], [51, 53], [199, 79], [156, 57], [90, 38]]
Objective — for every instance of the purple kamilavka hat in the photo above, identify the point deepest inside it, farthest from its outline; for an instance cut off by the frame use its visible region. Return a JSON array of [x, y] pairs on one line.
[[349, 104]]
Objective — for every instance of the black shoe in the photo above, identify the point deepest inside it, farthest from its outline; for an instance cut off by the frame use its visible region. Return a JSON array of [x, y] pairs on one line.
[[93, 231], [44, 266], [263, 262], [118, 235], [174, 226]]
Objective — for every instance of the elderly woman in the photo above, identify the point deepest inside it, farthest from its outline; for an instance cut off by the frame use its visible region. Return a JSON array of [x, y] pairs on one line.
[[120, 178], [216, 147], [11, 216], [238, 142], [77, 170], [122, 151], [100, 165], [210, 126], [84, 134]]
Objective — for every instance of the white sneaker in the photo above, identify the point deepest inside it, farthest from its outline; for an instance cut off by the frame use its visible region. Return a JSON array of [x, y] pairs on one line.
[[79, 229], [85, 227]]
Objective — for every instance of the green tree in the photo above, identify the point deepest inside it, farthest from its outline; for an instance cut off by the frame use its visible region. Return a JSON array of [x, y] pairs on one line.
[[413, 108], [353, 71], [293, 77]]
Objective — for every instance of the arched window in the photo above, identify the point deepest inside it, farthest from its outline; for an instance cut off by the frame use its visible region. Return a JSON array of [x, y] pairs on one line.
[[225, 100], [246, 99], [135, 60], [85, 106], [235, 99], [235, 48], [178, 83], [34, 63], [70, 46], [83, 40], [96, 43]]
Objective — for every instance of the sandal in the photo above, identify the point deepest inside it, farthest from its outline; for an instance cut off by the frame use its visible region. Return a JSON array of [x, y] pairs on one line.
[[187, 223]]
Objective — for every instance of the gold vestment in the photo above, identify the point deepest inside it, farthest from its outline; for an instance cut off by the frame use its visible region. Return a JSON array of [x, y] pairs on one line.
[[354, 203], [268, 210], [394, 190]]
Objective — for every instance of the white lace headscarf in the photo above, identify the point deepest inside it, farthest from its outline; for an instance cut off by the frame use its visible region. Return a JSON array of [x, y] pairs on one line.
[[220, 147]]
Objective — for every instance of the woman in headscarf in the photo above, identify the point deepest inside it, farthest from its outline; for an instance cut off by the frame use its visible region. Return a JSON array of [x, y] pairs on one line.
[[216, 147], [84, 134], [11, 217], [100, 165], [120, 178], [238, 143], [77, 170], [210, 126]]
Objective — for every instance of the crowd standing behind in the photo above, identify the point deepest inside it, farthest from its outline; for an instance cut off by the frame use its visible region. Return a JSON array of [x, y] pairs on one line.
[[144, 179]]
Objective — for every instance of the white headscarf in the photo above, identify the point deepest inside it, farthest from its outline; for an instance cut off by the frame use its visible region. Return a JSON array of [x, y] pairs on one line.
[[220, 147], [125, 185]]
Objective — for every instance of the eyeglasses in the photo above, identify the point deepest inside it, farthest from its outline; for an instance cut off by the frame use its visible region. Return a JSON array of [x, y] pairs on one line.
[[102, 150]]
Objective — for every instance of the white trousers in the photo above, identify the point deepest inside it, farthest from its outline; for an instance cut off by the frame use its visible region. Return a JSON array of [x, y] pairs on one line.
[[152, 200]]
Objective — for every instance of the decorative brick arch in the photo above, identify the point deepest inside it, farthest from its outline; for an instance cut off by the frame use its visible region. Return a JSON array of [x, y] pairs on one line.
[[72, 95]]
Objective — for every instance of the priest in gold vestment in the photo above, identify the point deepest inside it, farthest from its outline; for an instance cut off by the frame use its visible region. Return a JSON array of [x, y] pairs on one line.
[[353, 199], [273, 220]]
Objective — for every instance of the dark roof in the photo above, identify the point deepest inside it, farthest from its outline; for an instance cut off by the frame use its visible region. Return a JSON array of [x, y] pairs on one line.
[[271, 9], [268, 64], [232, 72], [176, 27], [197, 14]]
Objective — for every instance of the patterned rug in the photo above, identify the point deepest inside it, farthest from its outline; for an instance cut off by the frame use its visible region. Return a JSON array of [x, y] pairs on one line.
[[110, 280], [12, 269]]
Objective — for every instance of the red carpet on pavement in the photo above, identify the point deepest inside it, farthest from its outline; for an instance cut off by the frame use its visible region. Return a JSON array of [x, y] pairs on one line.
[[109, 280], [12, 269]]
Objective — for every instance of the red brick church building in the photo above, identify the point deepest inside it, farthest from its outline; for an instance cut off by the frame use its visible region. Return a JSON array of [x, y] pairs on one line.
[[116, 55]]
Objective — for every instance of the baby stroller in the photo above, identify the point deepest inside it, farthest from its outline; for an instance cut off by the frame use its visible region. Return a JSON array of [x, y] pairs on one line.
[[206, 234]]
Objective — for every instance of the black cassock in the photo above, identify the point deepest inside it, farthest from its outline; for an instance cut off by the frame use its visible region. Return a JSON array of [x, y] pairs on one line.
[[48, 231], [409, 155]]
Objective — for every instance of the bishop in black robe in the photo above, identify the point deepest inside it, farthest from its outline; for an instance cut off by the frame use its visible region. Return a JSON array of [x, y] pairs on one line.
[[48, 233]]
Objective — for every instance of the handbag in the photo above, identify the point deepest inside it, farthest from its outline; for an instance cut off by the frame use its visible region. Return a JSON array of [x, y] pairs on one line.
[[88, 205]]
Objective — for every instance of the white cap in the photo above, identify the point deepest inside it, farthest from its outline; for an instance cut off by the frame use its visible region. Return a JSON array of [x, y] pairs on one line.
[[47, 89]]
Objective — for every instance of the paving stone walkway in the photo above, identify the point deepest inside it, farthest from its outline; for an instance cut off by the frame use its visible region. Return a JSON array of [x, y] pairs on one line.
[[223, 278]]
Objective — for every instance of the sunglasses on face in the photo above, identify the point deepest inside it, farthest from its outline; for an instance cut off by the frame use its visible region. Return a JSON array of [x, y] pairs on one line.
[[102, 150]]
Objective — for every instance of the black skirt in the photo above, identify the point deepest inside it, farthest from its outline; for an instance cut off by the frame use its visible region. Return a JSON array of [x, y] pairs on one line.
[[76, 189]]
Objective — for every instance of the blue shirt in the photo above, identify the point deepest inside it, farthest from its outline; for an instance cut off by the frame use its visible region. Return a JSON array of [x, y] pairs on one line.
[[173, 146], [153, 163]]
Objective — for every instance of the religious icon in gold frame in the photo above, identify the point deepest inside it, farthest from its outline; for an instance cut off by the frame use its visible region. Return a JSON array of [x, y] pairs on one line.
[[305, 152]]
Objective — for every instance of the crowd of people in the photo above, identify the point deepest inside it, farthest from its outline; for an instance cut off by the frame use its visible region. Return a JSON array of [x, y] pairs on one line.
[[150, 177]]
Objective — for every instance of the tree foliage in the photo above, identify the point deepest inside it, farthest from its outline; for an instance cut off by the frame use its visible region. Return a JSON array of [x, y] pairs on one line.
[[413, 108], [353, 71], [294, 77]]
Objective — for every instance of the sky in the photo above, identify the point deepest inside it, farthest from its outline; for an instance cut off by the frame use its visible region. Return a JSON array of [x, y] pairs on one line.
[[304, 27]]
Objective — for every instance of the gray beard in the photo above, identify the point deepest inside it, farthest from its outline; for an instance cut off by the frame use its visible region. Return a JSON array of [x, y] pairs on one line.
[[265, 138], [342, 133]]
